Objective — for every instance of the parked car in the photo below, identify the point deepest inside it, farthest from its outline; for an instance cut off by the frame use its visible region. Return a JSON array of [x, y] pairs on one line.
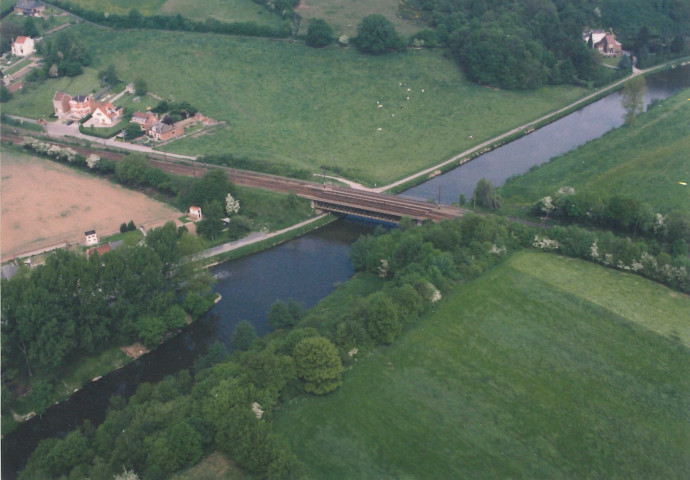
[[69, 122]]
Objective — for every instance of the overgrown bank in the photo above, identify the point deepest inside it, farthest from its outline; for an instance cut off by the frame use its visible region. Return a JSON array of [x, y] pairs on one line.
[[229, 403]]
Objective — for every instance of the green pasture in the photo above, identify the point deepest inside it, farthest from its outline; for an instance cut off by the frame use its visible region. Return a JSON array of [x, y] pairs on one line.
[[36, 100], [51, 19], [121, 7], [645, 161], [224, 10], [520, 373], [229, 11], [271, 210], [344, 15], [288, 103], [127, 102]]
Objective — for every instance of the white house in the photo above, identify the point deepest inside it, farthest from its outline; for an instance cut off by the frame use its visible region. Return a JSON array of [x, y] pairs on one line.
[[195, 212], [106, 114], [23, 46], [91, 238]]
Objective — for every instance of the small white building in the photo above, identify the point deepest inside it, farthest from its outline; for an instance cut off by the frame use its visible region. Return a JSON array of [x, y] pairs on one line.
[[23, 46], [195, 213], [91, 238]]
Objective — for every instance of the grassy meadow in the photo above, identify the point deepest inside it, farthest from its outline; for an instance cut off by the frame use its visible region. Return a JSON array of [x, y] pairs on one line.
[[223, 10], [344, 15], [645, 161], [287, 103], [521, 373], [36, 101]]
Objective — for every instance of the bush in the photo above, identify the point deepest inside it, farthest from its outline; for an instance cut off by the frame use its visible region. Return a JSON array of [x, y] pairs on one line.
[[318, 365], [319, 33], [376, 34]]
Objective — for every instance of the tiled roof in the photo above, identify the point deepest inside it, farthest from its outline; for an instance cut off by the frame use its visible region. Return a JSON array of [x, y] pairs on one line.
[[61, 96]]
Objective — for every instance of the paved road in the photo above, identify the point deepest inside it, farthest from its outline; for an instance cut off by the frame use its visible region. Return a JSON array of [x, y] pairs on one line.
[[251, 238], [57, 130]]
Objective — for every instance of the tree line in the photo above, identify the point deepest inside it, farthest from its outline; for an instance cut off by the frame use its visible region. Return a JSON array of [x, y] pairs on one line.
[[134, 19], [73, 305]]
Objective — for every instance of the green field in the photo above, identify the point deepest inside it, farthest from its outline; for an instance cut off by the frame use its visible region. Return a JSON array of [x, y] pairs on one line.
[[522, 373], [645, 161], [36, 101], [223, 10], [344, 15], [305, 107]]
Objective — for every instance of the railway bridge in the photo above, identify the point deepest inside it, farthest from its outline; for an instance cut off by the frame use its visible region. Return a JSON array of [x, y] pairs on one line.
[[335, 199]]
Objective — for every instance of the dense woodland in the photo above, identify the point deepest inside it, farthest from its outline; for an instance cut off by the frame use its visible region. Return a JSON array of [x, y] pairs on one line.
[[517, 45]]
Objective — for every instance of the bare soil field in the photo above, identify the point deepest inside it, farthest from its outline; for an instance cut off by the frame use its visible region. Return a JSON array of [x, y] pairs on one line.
[[45, 204]]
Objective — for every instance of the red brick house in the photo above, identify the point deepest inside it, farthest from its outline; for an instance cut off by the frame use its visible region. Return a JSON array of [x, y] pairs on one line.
[[82, 105], [162, 131], [145, 120], [609, 45]]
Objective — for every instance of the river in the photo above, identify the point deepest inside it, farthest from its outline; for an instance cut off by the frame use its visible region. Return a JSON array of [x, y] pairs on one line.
[[542, 145], [308, 268]]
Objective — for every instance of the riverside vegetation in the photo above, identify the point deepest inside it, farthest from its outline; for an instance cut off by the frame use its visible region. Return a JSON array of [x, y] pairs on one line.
[[229, 403]]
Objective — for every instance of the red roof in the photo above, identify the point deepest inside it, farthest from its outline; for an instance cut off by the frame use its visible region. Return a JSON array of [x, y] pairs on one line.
[[61, 97], [100, 250], [21, 39]]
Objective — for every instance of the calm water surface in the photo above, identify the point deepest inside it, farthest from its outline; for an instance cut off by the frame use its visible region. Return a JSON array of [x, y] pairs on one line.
[[540, 146]]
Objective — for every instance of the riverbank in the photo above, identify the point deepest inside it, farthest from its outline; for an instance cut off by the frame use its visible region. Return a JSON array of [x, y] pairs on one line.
[[518, 132], [54, 388]]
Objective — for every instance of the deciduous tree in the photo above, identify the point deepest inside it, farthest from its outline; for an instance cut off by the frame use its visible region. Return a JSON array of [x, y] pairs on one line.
[[318, 365], [633, 99]]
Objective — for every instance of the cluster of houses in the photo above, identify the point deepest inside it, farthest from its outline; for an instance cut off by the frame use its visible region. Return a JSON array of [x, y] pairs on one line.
[[605, 42], [104, 114]]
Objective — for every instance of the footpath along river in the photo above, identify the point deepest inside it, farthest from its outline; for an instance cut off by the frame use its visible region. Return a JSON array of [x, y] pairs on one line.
[[308, 268]]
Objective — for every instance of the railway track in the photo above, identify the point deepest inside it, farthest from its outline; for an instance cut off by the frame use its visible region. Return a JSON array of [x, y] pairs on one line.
[[327, 197]]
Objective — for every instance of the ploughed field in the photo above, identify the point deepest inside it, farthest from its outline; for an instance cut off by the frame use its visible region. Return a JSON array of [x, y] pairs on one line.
[[544, 367], [45, 203]]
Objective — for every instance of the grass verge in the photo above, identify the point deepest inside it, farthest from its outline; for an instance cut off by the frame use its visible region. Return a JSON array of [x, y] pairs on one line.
[[270, 242], [645, 161]]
